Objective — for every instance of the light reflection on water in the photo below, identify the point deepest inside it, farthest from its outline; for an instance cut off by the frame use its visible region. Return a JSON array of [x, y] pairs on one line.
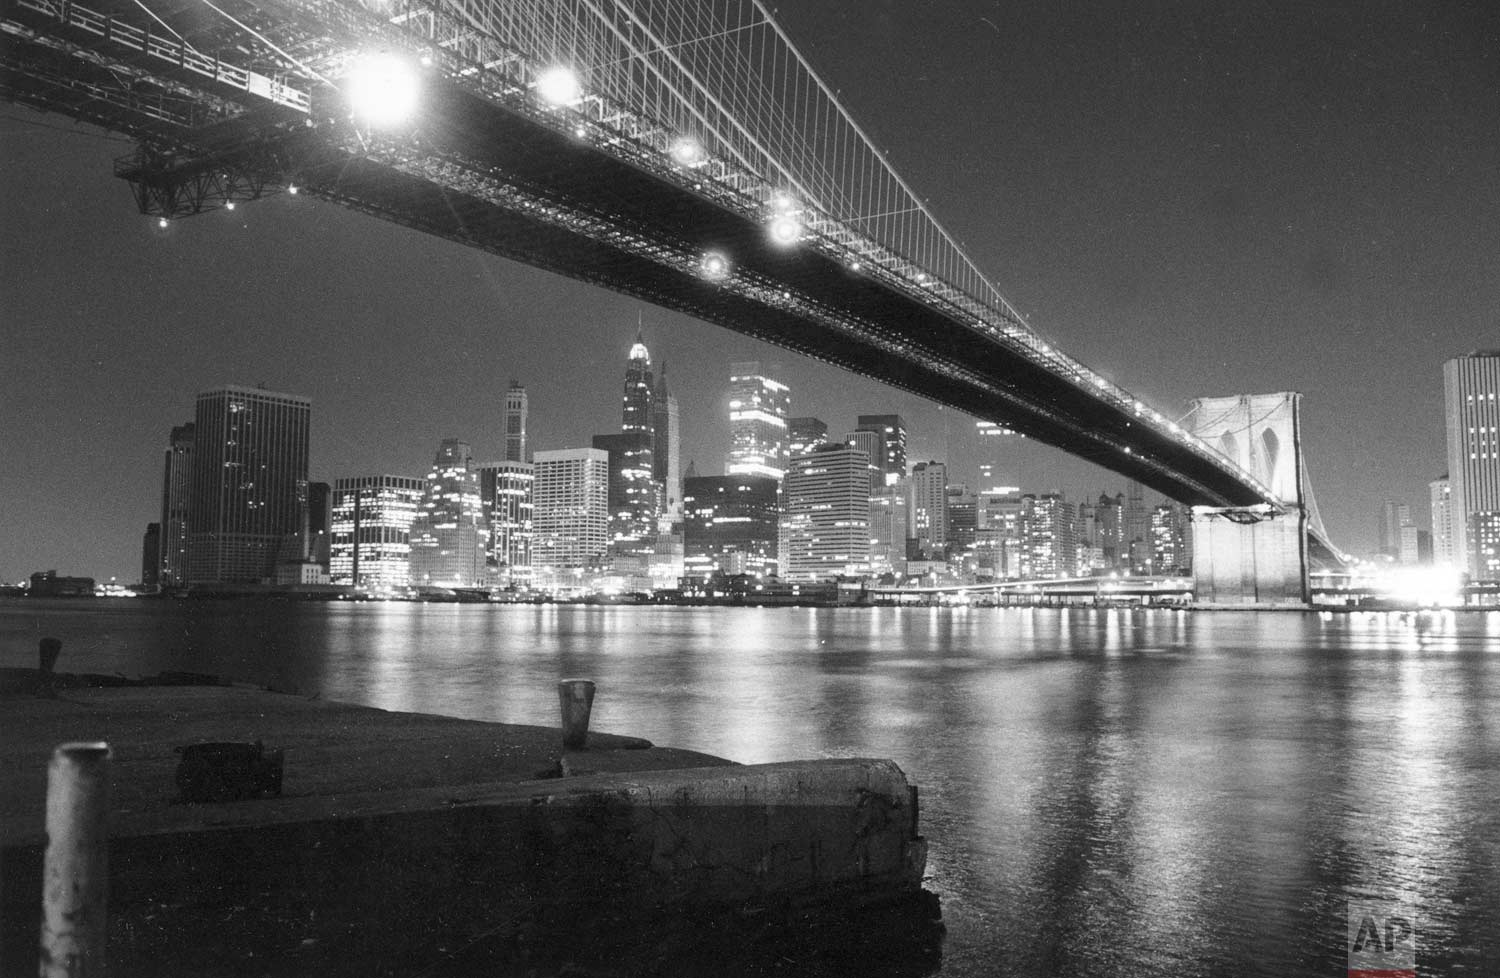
[[1107, 792]]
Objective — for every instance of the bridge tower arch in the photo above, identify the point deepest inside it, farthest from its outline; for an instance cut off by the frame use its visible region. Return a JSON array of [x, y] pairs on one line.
[[1248, 556]]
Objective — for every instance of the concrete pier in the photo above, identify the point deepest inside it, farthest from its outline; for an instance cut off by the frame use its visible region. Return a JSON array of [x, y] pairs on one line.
[[401, 839]]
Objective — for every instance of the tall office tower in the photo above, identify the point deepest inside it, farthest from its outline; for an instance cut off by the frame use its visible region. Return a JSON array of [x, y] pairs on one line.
[[758, 409], [872, 444], [370, 530], [151, 557], [666, 451], [447, 535], [1109, 532], [634, 494], [892, 431], [515, 423], [805, 434], [889, 527], [1047, 525], [1171, 540], [1484, 545], [505, 502], [1440, 491], [1416, 546], [997, 532], [1471, 399], [570, 512], [963, 518], [928, 510], [1393, 516], [1090, 554], [825, 520], [1137, 528], [999, 458], [249, 482], [175, 488], [729, 525]]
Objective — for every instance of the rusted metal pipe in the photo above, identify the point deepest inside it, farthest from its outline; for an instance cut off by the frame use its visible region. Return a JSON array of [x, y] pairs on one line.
[[576, 697], [75, 870]]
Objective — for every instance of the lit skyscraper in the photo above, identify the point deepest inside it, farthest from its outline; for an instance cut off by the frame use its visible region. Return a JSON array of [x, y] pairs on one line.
[[758, 409], [571, 512], [1171, 540], [515, 423], [825, 520], [447, 548], [1471, 399], [505, 500], [666, 451], [249, 482], [805, 434], [889, 527], [872, 443], [1393, 517], [892, 431], [929, 509], [634, 494], [175, 486], [729, 524], [1048, 525], [371, 530], [1441, 500]]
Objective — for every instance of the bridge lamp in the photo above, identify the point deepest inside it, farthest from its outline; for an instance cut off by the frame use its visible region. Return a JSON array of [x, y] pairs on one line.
[[688, 151], [786, 230], [293, 189], [714, 266], [161, 222], [559, 85], [382, 89]]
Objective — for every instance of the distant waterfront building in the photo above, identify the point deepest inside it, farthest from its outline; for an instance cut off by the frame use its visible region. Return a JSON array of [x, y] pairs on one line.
[[1171, 540], [1109, 532], [890, 526], [928, 510], [1440, 493], [1394, 517], [891, 458], [1047, 533], [248, 487], [805, 434], [963, 519], [997, 533], [176, 486], [514, 419], [1471, 400], [1484, 534], [1416, 546], [729, 525], [151, 557], [505, 500], [635, 497], [370, 535], [758, 409], [1137, 529], [666, 450], [447, 548], [47, 584], [825, 520], [571, 513]]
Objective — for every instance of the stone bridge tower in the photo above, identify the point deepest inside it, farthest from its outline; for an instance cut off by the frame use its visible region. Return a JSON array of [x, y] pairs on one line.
[[1247, 556]]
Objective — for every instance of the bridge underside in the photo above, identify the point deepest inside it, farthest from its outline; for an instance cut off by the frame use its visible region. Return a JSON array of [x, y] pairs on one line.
[[515, 180]]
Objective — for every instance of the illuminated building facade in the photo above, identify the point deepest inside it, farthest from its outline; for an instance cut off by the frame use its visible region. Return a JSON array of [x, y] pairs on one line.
[[514, 420], [997, 533], [666, 451], [1171, 540], [447, 535], [825, 519], [872, 444], [929, 511], [805, 434], [889, 528], [370, 535], [505, 499], [571, 512], [248, 487], [1049, 546], [758, 410], [729, 525], [1440, 495], [175, 488], [891, 459], [1471, 400]]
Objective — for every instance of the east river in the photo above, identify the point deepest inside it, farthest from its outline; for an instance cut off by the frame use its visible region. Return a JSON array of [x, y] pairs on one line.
[[1106, 792]]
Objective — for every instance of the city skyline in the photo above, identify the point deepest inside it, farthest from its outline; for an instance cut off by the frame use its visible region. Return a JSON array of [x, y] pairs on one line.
[[1175, 197]]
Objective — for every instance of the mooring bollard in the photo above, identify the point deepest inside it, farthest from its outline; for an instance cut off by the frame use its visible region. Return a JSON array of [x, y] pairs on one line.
[[75, 870], [576, 696]]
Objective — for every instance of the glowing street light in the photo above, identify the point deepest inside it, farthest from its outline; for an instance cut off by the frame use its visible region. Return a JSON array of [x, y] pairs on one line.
[[559, 85], [714, 266], [688, 151], [382, 89]]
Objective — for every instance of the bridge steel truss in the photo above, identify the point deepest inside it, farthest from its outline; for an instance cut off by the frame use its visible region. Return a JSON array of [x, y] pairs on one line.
[[695, 128]]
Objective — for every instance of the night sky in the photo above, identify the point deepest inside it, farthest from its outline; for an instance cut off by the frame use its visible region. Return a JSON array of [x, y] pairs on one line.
[[1193, 198]]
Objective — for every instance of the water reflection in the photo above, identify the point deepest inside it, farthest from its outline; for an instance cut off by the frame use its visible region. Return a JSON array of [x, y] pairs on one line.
[[1108, 792]]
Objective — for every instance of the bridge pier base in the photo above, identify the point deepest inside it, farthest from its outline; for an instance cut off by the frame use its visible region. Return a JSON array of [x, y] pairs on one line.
[[1242, 559]]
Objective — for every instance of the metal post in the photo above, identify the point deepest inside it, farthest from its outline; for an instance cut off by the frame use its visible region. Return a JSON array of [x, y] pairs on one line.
[[576, 697], [75, 874]]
